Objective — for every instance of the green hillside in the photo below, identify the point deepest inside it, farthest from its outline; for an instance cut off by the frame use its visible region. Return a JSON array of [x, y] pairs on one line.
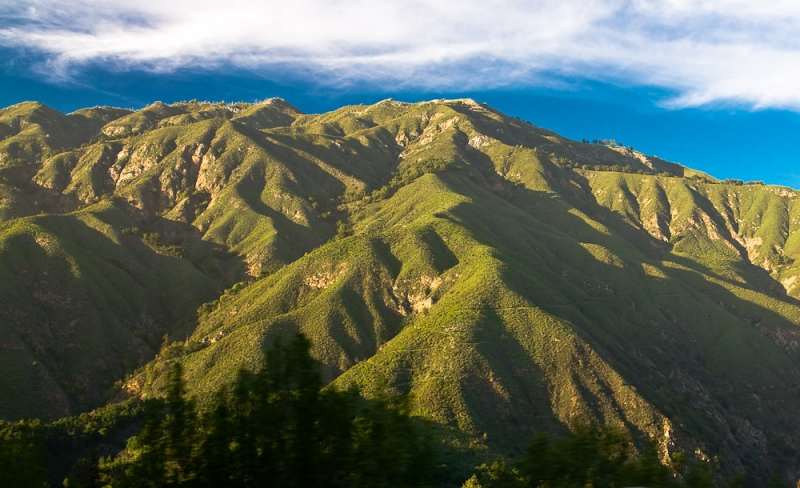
[[511, 280]]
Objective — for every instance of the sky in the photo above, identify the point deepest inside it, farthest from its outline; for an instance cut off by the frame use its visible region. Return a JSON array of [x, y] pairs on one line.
[[711, 84]]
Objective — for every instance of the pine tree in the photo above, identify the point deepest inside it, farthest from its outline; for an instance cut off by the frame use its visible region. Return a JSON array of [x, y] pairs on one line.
[[22, 454]]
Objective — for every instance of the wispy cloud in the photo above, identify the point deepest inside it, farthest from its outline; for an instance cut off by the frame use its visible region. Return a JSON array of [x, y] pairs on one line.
[[706, 52]]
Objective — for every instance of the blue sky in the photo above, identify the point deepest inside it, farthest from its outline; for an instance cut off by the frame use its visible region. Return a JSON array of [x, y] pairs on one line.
[[711, 84]]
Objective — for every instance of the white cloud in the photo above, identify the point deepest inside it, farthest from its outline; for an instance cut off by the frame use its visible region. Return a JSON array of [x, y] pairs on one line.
[[706, 51]]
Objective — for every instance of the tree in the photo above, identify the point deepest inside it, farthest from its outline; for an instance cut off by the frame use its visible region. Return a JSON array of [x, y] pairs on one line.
[[180, 429], [589, 456], [277, 426], [22, 454], [147, 469]]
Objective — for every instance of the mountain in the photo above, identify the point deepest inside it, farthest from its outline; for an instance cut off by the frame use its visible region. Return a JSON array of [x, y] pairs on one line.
[[510, 280]]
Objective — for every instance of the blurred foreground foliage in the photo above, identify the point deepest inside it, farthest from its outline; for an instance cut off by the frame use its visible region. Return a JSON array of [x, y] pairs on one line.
[[275, 425], [280, 427], [591, 456]]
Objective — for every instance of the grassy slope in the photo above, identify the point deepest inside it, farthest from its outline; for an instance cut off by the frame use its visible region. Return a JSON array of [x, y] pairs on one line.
[[505, 276], [85, 304], [509, 306]]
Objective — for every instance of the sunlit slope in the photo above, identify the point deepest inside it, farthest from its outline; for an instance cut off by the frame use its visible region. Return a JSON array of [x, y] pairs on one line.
[[265, 197], [499, 323], [508, 278], [30, 132], [509, 306], [734, 223]]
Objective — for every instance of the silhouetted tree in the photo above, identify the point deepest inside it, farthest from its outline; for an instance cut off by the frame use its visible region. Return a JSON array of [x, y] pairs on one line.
[[590, 456], [278, 427]]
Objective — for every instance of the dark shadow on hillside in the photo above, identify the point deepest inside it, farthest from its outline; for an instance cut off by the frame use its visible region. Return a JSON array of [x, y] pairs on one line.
[[293, 239], [179, 240], [585, 201], [365, 344], [358, 319], [551, 208], [443, 257], [373, 166], [384, 253], [509, 132], [615, 325], [308, 173], [706, 206], [516, 132], [758, 279], [97, 308], [28, 197], [510, 422]]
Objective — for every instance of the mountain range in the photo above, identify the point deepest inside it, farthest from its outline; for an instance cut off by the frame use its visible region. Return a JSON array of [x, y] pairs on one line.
[[510, 280]]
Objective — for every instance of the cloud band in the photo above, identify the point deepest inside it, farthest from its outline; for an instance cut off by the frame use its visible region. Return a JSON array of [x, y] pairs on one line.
[[720, 51]]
